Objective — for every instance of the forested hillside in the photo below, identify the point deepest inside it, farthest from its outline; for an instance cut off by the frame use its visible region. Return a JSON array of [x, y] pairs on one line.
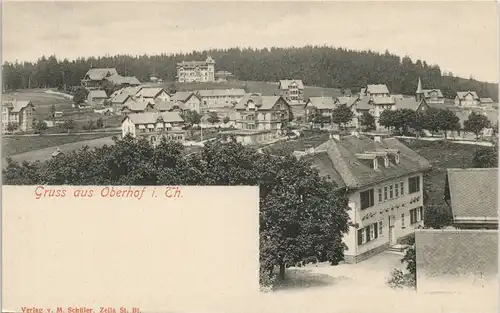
[[316, 66]]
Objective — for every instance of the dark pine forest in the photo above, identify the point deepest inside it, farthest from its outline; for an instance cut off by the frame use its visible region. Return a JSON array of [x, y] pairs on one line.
[[316, 65]]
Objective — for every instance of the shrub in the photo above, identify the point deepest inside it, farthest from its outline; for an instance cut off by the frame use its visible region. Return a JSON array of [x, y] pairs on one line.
[[400, 279]]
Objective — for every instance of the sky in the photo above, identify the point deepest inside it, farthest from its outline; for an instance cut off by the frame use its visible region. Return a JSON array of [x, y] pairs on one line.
[[461, 37]]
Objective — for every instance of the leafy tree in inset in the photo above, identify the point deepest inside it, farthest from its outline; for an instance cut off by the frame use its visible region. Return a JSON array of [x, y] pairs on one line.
[[367, 121], [39, 126], [476, 123], [342, 115], [485, 157]]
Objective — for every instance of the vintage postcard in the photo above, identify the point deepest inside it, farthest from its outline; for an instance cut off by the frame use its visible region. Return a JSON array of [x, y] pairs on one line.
[[249, 156]]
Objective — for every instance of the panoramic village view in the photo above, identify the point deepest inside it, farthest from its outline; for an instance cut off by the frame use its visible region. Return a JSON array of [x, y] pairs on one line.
[[376, 170]]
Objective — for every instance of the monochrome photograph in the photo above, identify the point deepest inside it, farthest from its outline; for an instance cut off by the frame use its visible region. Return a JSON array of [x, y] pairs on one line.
[[370, 129]]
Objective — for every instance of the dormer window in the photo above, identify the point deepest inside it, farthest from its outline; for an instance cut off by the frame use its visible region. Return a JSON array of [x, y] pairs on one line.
[[375, 164], [397, 158], [386, 161]]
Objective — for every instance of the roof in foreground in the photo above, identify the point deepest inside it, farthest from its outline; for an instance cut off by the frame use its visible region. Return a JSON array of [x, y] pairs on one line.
[[474, 192], [380, 88], [340, 160], [323, 103], [455, 253]]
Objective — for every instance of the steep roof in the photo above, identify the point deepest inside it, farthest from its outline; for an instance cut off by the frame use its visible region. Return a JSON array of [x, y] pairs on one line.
[[120, 98], [16, 105], [486, 100], [221, 92], [462, 94], [100, 73], [97, 94], [152, 117], [409, 103], [446, 256], [344, 100], [427, 93], [182, 96], [139, 104], [356, 174], [149, 92], [261, 102], [322, 103], [285, 83], [131, 90], [380, 88], [383, 100], [162, 105], [473, 192], [419, 87], [363, 103]]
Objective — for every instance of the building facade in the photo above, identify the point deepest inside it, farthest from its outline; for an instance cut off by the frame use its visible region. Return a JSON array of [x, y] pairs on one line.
[[196, 71], [292, 91], [431, 96], [153, 93], [95, 77], [189, 100], [17, 115], [262, 113], [154, 126], [214, 99], [467, 99], [384, 182], [319, 109]]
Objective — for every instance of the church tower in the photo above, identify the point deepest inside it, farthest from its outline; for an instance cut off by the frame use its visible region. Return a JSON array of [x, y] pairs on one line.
[[419, 94]]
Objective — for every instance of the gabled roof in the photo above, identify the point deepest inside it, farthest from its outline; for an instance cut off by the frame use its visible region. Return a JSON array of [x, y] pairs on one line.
[[354, 173], [120, 98], [152, 117], [448, 259], [97, 94], [150, 92], [138, 104], [462, 94], [380, 88], [343, 100], [285, 83], [409, 103], [162, 105], [322, 103], [427, 93], [473, 192], [363, 103], [261, 102], [383, 100], [183, 96], [100, 73], [16, 106], [131, 90], [486, 100], [221, 93]]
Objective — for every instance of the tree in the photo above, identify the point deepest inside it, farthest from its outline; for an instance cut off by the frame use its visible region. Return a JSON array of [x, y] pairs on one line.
[[12, 126], [388, 119], [69, 125], [448, 121], [191, 118], [431, 122], [39, 126], [342, 115], [52, 111], [213, 118], [404, 119], [437, 217], [172, 89], [80, 95], [418, 123], [367, 121], [476, 123], [100, 123], [485, 157]]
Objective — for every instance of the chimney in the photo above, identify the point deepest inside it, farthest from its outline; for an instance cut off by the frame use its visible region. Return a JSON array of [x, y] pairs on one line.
[[377, 138]]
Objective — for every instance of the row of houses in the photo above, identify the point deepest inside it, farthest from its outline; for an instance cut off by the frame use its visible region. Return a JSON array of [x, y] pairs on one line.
[[375, 99]]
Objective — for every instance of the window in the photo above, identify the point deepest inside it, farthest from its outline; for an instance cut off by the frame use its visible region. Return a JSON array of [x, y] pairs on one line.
[[391, 192], [360, 236], [419, 214], [402, 188], [421, 209], [385, 193], [380, 195], [396, 190], [369, 233], [413, 216], [414, 184], [403, 220], [367, 199], [373, 229], [380, 228]]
